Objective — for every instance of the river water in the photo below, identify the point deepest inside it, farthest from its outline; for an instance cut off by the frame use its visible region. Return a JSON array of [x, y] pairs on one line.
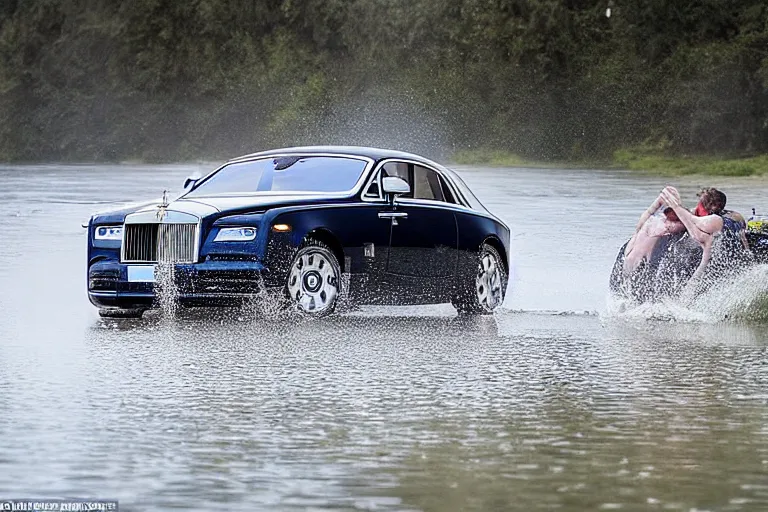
[[562, 401]]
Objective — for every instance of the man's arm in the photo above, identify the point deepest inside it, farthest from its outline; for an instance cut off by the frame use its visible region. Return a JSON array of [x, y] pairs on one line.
[[706, 255], [648, 212], [743, 225], [702, 229], [655, 205]]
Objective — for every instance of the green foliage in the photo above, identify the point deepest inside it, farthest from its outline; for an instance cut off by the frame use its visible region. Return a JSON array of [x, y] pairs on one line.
[[545, 80], [650, 161]]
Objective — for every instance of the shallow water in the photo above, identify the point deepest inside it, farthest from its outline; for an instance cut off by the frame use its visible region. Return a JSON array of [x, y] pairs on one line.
[[561, 401]]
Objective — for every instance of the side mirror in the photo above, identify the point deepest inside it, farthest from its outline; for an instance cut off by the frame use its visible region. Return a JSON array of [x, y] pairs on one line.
[[394, 186], [190, 181]]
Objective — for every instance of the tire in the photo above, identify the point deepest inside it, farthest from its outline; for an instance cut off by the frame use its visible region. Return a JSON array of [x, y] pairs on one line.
[[313, 284], [121, 313], [483, 290]]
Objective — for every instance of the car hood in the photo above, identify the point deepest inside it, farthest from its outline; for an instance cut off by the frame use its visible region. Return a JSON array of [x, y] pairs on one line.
[[255, 202], [203, 207]]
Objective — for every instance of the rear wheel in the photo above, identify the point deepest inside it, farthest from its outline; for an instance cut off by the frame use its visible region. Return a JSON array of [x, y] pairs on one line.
[[484, 290], [121, 313], [314, 280]]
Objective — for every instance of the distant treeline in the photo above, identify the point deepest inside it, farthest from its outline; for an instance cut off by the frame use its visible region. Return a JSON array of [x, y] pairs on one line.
[[98, 80]]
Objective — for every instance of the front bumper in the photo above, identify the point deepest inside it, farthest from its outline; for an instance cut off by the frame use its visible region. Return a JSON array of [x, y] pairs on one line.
[[208, 283]]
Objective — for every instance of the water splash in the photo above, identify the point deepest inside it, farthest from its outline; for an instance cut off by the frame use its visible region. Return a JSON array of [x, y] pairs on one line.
[[166, 289], [743, 296], [739, 296], [267, 303]]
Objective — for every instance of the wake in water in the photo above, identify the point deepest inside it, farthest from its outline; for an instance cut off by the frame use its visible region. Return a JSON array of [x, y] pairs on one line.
[[740, 295]]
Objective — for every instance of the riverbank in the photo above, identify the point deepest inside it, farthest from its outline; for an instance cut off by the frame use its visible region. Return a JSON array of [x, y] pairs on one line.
[[654, 163]]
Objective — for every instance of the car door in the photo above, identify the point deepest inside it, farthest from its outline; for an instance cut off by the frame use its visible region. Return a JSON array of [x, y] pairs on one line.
[[424, 237], [370, 237]]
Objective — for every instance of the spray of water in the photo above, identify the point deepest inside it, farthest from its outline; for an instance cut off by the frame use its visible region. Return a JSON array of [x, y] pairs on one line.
[[166, 289], [266, 304], [740, 295], [272, 304]]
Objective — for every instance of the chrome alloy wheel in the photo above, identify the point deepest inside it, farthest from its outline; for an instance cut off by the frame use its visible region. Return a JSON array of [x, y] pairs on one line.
[[313, 282], [489, 282]]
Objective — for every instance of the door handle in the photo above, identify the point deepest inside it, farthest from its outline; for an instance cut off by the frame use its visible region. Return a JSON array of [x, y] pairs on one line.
[[393, 215]]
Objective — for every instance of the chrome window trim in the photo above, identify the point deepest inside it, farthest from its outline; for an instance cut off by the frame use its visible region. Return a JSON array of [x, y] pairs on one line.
[[451, 173], [257, 156], [463, 203], [407, 201], [428, 202]]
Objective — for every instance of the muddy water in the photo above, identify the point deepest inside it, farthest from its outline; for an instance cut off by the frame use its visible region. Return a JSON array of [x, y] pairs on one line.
[[557, 402]]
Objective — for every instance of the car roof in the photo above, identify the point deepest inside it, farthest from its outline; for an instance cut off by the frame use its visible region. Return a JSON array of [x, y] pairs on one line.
[[372, 153], [375, 154]]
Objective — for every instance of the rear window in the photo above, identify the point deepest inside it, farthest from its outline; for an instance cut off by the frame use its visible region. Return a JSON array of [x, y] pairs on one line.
[[470, 198], [322, 174]]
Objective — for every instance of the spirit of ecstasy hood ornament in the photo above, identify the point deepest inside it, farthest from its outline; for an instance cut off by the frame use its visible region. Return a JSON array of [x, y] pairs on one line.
[[161, 209]]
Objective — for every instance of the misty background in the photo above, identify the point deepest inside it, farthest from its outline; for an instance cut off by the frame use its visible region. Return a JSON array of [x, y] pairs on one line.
[[565, 80]]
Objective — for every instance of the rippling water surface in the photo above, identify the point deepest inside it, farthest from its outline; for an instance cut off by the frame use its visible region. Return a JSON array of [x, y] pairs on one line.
[[557, 402]]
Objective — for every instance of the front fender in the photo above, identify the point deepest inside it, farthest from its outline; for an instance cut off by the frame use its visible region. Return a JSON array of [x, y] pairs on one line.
[[280, 246]]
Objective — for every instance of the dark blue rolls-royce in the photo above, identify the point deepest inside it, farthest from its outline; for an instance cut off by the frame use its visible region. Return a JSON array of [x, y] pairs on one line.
[[317, 223]]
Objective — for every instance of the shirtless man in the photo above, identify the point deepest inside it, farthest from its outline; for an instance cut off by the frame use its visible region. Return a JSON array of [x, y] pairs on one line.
[[701, 228], [712, 202], [648, 231]]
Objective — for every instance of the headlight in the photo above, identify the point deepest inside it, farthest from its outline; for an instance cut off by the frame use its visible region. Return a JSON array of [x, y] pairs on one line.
[[235, 235], [109, 233]]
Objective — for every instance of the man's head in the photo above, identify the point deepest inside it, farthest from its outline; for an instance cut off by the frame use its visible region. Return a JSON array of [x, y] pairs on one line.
[[712, 201], [670, 214], [672, 222]]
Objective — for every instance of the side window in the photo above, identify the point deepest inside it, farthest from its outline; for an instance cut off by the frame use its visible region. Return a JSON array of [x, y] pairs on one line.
[[448, 195], [398, 170], [373, 190], [426, 184], [395, 169]]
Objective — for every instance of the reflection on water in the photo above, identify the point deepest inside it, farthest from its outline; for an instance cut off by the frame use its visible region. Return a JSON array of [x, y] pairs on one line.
[[378, 409]]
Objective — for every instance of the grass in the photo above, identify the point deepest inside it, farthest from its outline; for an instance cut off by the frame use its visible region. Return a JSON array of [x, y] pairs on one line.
[[645, 160], [668, 165]]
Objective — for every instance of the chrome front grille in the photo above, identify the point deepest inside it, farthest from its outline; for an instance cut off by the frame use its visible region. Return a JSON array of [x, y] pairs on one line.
[[140, 242], [160, 243], [176, 243]]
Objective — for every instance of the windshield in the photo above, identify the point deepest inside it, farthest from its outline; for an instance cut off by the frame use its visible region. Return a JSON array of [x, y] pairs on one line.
[[283, 174]]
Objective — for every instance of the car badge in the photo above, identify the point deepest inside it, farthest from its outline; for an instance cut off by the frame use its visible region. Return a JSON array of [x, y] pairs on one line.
[[162, 209]]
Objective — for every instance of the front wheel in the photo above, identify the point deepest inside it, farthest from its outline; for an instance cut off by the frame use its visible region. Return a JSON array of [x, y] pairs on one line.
[[314, 280], [484, 291]]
